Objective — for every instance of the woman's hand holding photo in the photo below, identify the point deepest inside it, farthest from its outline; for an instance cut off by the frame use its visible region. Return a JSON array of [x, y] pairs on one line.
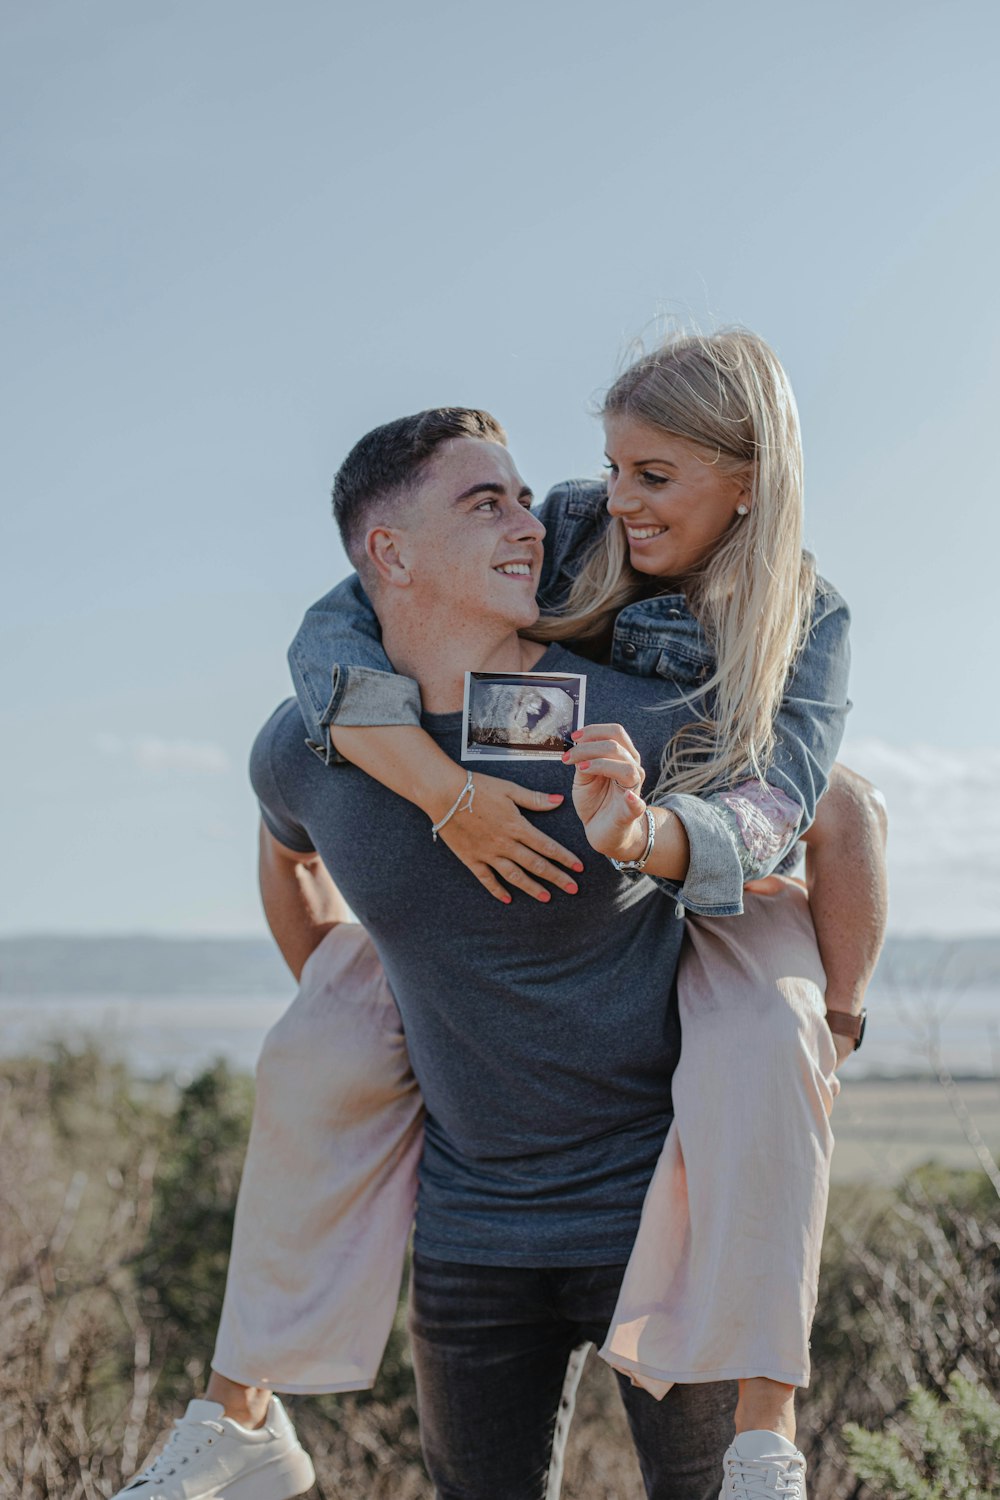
[[616, 819], [606, 790]]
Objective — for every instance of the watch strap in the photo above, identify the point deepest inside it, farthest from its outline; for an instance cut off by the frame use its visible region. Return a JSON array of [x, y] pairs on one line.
[[846, 1024]]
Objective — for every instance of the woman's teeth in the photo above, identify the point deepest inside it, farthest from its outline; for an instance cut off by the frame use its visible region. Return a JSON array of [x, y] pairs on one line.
[[643, 533], [516, 570]]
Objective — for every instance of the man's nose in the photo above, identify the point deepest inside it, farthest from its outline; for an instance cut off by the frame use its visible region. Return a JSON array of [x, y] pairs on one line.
[[526, 526]]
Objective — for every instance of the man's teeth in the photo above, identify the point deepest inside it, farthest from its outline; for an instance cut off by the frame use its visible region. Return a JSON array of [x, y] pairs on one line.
[[517, 570], [641, 533]]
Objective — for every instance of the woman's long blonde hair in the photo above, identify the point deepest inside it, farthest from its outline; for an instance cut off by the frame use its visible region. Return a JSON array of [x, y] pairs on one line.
[[753, 596]]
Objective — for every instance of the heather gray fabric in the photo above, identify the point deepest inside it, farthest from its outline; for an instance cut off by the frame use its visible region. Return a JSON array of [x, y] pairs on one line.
[[543, 1037]]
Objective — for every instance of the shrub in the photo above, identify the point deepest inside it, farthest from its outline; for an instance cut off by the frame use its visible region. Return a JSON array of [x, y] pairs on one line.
[[940, 1451]]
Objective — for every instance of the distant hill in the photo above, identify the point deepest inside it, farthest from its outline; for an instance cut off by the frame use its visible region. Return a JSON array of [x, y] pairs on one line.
[[44, 965], [69, 965], [940, 963]]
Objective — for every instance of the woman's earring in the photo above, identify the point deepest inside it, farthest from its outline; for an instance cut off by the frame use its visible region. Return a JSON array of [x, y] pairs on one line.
[[742, 510]]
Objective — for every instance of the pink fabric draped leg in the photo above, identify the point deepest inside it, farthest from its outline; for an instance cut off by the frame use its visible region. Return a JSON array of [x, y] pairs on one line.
[[723, 1277], [329, 1183]]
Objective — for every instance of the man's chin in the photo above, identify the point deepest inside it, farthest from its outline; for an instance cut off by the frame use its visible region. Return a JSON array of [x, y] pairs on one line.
[[520, 616]]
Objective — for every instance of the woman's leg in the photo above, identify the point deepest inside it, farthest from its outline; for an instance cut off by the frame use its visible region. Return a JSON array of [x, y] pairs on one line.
[[766, 1405], [328, 1188], [723, 1277]]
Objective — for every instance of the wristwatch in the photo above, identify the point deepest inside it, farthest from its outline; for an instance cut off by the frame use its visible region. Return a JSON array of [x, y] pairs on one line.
[[846, 1024]]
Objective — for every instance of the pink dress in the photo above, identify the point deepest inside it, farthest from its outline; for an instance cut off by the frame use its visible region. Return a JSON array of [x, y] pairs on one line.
[[722, 1279]]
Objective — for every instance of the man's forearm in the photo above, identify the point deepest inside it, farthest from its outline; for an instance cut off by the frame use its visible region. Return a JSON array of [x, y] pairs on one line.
[[301, 902], [848, 891]]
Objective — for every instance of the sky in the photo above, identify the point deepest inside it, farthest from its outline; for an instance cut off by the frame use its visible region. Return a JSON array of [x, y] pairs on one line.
[[238, 235]]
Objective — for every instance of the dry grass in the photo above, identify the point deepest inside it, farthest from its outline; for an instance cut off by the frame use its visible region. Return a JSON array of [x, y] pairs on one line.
[[115, 1205]]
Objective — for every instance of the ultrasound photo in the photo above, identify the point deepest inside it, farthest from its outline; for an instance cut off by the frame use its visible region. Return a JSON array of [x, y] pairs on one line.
[[521, 715]]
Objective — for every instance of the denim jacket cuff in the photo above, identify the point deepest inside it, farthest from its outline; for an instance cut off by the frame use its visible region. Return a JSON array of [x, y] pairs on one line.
[[363, 697], [713, 886]]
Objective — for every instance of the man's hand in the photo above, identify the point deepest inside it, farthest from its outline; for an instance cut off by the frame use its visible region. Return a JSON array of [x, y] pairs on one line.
[[301, 902], [844, 1046]]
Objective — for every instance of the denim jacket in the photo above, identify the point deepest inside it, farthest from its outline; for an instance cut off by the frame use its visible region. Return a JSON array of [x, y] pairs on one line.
[[737, 832]]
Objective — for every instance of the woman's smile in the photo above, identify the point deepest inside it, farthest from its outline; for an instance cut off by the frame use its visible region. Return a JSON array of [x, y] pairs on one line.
[[673, 497]]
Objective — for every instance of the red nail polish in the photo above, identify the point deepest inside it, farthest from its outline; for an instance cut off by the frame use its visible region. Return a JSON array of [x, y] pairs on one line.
[[555, 796], [577, 734], [572, 888], [578, 868], [584, 765]]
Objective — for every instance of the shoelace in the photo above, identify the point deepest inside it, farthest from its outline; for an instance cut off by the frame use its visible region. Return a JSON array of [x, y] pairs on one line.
[[187, 1439], [763, 1478]]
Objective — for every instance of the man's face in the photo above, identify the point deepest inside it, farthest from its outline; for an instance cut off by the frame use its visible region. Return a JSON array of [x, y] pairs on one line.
[[469, 539]]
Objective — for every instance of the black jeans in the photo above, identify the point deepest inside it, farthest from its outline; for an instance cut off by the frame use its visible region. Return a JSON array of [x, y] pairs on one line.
[[493, 1350]]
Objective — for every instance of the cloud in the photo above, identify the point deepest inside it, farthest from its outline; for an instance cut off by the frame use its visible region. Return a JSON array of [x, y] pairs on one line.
[[944, 833], [151, 753]]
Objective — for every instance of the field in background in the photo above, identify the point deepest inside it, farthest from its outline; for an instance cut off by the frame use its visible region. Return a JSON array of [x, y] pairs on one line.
[[885, 1129], [120, 1163]]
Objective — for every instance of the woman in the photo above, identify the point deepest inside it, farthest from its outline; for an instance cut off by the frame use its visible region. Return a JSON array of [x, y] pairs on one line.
[[699, 576]]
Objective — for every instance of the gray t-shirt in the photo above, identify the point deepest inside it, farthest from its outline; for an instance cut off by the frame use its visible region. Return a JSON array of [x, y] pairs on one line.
[[543, 1037]]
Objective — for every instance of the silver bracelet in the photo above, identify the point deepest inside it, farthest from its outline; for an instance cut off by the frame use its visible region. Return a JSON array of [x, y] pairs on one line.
[[469, 791], [625, 865]]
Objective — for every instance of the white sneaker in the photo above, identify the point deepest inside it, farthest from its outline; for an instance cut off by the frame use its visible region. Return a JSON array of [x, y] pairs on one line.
[[762, 1465], [211, 1457]]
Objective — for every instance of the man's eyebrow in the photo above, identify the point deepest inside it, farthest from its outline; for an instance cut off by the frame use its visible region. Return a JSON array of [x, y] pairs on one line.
[[491, 489]]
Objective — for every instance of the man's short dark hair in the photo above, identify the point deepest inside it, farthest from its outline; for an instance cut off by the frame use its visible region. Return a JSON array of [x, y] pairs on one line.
[[389, 462]]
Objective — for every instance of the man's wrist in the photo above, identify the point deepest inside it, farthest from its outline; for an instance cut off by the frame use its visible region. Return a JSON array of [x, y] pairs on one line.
[[848, 998], [847, 1028]]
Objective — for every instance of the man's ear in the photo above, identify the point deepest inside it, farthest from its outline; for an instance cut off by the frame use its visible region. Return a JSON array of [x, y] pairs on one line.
[[384, 550]]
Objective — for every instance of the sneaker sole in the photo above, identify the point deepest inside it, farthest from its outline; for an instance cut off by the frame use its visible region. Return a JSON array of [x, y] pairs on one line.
[[281, 1479]]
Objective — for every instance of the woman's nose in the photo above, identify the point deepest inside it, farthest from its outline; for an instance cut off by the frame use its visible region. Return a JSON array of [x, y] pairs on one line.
[[619, 503]]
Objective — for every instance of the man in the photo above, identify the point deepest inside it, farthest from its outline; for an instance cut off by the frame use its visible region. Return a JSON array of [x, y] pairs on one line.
[[543, 1049]]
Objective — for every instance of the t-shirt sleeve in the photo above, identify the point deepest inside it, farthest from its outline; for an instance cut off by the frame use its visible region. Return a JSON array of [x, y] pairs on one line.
[[279, 819]]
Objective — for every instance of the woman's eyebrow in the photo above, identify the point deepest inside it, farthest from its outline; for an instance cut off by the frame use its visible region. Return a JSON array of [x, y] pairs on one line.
[[642, 463]]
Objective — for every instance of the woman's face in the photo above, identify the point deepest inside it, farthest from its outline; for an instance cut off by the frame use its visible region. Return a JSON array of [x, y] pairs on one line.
[[672, 497]]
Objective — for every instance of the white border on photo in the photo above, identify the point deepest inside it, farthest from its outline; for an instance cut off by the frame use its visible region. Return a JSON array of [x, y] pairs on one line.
[[498, 705]]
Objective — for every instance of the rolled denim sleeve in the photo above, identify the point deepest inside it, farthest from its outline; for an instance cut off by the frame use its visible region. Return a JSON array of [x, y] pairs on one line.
[[744, 831], [341, 672]]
